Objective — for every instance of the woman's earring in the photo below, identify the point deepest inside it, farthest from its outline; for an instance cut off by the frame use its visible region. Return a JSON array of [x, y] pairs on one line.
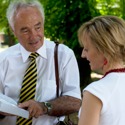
[[105, 62]]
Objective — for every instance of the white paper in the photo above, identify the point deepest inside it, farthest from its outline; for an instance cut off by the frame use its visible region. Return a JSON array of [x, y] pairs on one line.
[[7, 99], [8, 105]]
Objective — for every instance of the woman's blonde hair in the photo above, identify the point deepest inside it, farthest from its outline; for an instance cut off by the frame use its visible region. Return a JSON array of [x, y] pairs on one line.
[[107, 34]]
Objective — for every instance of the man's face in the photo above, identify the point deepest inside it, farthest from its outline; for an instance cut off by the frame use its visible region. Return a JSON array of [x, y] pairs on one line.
[[29, 28]]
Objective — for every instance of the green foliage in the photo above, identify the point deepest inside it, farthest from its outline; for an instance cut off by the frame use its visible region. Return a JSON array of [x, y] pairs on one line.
[[109, 7], [3, 20], [63, 18], [4, 26]]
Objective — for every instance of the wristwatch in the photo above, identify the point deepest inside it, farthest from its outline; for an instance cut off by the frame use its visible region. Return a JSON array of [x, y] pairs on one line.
[[48, 105]]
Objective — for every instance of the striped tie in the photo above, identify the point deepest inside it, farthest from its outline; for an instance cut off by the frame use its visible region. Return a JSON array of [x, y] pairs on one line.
[[28, 87]]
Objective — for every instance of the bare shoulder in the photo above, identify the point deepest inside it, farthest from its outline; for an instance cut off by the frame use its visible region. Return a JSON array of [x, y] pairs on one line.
[[91, 104]]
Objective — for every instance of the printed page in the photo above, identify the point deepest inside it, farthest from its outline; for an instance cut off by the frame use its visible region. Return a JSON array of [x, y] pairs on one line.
[[8, 105], [7, 99]]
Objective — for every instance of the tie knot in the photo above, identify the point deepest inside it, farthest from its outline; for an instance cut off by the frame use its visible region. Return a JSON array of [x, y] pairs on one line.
[[33, 55]]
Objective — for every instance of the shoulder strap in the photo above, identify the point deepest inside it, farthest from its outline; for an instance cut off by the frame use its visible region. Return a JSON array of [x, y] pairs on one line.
[[57, 71], [56, 68]]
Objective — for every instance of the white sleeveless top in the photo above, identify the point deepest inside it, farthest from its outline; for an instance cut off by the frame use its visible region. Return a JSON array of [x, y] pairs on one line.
[[111, 91]]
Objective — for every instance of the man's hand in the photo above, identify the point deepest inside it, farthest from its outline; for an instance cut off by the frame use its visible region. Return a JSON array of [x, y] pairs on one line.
[[35, 109]]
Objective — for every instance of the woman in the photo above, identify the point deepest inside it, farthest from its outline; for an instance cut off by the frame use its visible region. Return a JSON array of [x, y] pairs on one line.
[[103, 39]]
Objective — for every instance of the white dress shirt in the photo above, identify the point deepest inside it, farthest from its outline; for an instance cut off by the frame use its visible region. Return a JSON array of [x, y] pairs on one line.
[[13, 64]]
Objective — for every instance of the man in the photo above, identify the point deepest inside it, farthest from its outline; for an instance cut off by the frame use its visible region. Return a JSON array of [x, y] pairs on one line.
[[26, 19]]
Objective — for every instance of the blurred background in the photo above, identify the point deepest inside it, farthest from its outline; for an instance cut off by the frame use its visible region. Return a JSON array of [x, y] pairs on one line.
[[62, 20]]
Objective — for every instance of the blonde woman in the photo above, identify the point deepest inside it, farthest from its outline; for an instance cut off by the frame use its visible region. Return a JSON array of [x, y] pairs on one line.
[[103, 39]]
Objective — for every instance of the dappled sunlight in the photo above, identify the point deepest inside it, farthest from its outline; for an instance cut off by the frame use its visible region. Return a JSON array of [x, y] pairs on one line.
[[96, 75], [2, 48]]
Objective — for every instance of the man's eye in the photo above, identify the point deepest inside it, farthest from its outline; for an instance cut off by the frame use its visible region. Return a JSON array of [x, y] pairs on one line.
[[25, 31], [38, 28], [86, 50]]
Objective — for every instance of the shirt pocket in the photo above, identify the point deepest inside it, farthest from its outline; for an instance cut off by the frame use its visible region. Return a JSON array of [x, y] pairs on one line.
[[45, 90]]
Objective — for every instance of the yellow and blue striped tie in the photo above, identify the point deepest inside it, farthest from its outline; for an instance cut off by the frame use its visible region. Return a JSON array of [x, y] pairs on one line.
[[28, 87]]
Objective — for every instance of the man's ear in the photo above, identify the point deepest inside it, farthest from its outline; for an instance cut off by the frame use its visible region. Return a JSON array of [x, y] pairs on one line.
[[12, 30]]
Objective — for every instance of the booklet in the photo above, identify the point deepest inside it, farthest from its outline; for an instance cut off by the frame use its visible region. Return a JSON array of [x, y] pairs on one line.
[[8, 105]]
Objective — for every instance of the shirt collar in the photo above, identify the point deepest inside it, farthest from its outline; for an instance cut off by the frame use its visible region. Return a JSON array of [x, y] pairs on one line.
[[41, 51]]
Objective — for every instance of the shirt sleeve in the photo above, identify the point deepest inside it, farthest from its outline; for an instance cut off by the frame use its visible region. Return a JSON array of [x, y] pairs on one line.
[[70, 75], [1, 74]]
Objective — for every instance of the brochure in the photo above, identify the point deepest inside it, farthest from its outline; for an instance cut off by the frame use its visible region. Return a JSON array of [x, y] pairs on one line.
[[8, 105]]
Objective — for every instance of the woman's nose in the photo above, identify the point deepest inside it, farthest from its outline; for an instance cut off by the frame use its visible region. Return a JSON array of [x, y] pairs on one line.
[[83, 54]]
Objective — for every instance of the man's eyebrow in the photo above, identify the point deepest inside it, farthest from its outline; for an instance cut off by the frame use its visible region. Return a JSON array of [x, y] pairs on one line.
[[23, 28], [39, 23]]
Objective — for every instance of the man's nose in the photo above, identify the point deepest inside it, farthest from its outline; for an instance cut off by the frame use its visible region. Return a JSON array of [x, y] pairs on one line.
[[33, 33]]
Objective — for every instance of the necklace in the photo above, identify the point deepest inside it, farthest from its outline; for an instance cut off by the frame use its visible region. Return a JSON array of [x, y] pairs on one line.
[[114, 70]]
